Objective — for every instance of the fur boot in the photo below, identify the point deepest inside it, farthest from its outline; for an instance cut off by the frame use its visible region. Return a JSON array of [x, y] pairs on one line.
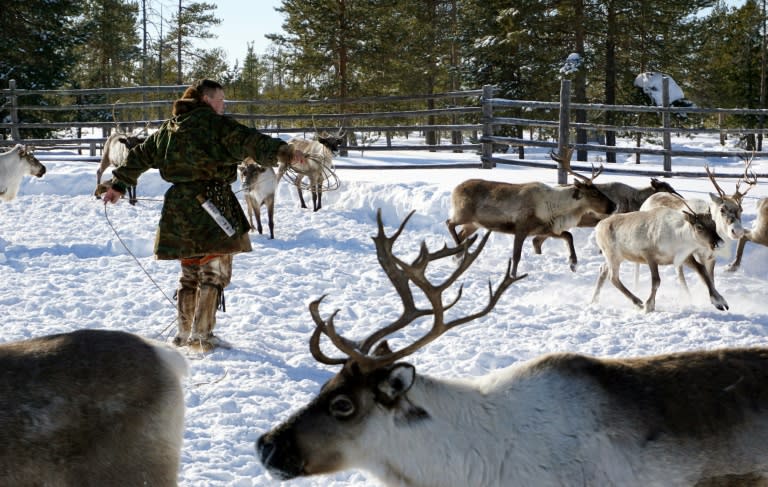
[[186, 304], [202, 337]]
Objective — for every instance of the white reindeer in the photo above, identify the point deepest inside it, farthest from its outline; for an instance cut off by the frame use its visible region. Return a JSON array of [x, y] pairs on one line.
[[317, 167], [757, 234], [14, 165], [259, 186], [526, 209], [697, 418], [91, 408], [725, 209], [660, 236]]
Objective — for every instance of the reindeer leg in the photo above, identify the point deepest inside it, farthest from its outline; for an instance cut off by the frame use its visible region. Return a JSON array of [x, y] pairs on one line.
[[132, 195], [301, 197], [599, 284], [681, 279], [257, 212], [717, 300], [270, 216], [614, 274], [315, 199], [452, 230], [734, 266], [650, 304], [517, 251], [249, 207], [568, 237], [537, 241]]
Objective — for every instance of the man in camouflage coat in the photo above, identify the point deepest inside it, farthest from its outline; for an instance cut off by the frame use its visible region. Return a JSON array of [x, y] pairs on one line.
[[198, 150]]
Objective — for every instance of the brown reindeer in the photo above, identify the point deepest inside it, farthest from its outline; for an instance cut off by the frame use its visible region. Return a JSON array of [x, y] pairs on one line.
[[626, 198], [685, 419], [526, 209], [91, 408]]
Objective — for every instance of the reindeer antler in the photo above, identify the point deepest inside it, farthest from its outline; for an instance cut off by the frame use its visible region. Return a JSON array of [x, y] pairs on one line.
[[749, 177], [401, 275], [565, 162], [711, 176]]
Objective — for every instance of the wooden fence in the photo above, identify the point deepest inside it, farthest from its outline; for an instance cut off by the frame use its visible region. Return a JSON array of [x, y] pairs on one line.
[[471, 120]]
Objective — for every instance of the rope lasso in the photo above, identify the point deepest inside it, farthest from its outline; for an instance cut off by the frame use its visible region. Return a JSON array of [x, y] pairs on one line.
[[125, 246]]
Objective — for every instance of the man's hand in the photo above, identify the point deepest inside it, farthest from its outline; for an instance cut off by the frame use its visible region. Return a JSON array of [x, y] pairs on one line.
[[111, 196]]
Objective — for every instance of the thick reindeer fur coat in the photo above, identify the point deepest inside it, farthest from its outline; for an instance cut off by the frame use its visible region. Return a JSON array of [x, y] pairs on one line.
[[694, 419], [198, 151]]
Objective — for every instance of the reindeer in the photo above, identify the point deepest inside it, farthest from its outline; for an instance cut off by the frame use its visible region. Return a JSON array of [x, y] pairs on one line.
[[526, 209], [725, 209], [693, 418], [114, 154], [90, 408], [757, 234], [626, 198], [660, 236], [259, 185], [318, 166], [14, 165]]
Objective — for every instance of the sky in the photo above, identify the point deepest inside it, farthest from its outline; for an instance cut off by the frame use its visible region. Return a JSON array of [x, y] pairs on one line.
[[69, 263], [244, 21]]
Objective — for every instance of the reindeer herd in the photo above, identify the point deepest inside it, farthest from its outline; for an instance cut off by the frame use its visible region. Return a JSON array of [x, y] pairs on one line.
[[100, 408]]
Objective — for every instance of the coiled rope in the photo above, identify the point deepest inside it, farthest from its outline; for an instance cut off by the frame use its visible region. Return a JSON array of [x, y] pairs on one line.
[[330, 180]]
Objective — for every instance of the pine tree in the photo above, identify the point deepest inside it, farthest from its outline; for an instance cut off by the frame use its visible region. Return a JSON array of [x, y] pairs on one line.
[[110, 56], [39, 40]]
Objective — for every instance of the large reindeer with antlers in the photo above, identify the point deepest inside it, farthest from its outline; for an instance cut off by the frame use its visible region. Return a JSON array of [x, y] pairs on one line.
[[527, 209], [725, 210], [693, 419]]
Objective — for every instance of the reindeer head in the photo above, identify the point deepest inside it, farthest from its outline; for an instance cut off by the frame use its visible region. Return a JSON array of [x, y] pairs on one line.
[[663, 187], [36, 168], [250, 171], [332, 142], [598, 201], [131, 141], [370, 391], [727, 209], [704, 228]]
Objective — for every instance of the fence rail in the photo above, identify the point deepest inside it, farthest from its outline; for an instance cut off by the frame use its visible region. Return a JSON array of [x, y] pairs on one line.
[[472, 120]]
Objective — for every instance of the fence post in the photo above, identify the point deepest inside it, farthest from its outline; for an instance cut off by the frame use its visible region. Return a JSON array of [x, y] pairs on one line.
[[15, 135], [487, 146], [565, 117], [665, 117]]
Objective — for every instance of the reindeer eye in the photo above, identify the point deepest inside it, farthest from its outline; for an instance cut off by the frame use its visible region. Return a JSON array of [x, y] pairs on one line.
[[341, 407]]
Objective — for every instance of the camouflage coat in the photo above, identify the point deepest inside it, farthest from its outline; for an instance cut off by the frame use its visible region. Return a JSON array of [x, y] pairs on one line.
[[198, 151]]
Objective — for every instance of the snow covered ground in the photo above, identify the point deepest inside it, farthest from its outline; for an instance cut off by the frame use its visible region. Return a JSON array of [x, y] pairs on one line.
[[64, 268]]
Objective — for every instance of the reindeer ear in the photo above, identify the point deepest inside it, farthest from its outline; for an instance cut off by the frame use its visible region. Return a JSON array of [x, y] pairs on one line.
[[382, 349], [397, 381], [716, 199]]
